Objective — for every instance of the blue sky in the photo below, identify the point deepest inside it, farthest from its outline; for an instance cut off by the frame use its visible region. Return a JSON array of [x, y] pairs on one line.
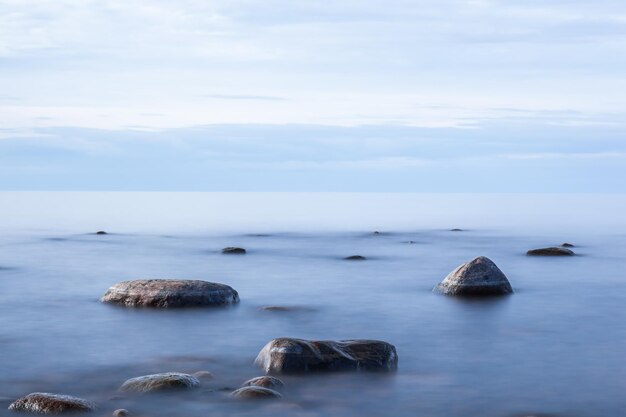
[[446, 95]]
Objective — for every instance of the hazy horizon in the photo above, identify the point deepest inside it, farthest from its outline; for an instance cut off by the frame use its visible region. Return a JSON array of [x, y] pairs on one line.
[[449, 96]]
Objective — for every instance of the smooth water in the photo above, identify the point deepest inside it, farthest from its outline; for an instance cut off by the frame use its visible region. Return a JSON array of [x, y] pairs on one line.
[[557, 346]]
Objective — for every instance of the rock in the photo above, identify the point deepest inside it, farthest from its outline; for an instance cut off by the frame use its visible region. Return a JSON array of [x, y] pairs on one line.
[[287, 355], [203, 375], [101, 232], [478, 277], [255, 393], [165, 293], [285, 309], [456, 230], [355, 258], [231, 250], [265, 382], [121, 413], [45, 403], [554, 251], [567, 245], [159, 382]]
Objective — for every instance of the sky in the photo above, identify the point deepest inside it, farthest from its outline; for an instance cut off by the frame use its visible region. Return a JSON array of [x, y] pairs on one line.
[[277, 95]]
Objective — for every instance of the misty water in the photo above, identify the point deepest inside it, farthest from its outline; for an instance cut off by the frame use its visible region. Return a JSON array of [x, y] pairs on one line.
[[555, 347]]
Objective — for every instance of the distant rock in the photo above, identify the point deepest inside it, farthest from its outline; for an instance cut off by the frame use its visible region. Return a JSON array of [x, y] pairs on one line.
[[45, 403], [265, 382], [101, 232], [456, 230], [168, 293], [479, 277], [160, 382], [255, 393], [567, 245], [231, 250], [287, 355], [285, 309], [553, 251], [355, 258]]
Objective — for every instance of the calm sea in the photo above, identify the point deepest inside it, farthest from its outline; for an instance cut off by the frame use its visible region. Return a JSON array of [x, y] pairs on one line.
[[555, 347]]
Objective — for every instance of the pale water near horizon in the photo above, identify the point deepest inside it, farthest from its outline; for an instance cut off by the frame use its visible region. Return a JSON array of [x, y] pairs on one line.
[[557, 346]]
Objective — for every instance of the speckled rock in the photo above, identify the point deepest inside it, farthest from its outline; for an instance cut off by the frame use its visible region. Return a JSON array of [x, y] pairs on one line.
[[355, 258], [478, 277], [121, 413], [265, 382], [45, 403], [255, 393], [167, 293], [287, 355], [158, 382], [554, 251], [231, 250]]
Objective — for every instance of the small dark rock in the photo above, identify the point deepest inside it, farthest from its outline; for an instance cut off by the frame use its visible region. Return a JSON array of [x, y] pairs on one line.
[[265, 382], [284, 309], [101, 232], [567, 245], [456, 230], [288, 355], [554, 251], [45, 403], [255, 393], [479, 277], [355, 258], [159, 382], [231, 250], [166, 293]]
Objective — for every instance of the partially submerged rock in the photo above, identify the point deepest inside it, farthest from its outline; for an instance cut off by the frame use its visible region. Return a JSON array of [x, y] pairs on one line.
[[121, 412], [166, 293], [478, 277], [231, 250], [160, 382], [101, 232], [553, 251], [456, 230], [265, 382], [255, 393], [567, 245], [355, 258], [203, 375], [45, 403], [288, 355]]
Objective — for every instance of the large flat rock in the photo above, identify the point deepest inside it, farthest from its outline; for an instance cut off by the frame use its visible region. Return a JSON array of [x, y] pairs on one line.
[[46, 403], [288, 355], [168, 293]]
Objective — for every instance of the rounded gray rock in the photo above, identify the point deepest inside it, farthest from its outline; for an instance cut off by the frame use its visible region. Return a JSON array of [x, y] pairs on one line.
[[478, 277], [265, 382], [553, 251], [159, 382], [168, 293], [46, 403], [255, 393], [355, 258], [288, 355]]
